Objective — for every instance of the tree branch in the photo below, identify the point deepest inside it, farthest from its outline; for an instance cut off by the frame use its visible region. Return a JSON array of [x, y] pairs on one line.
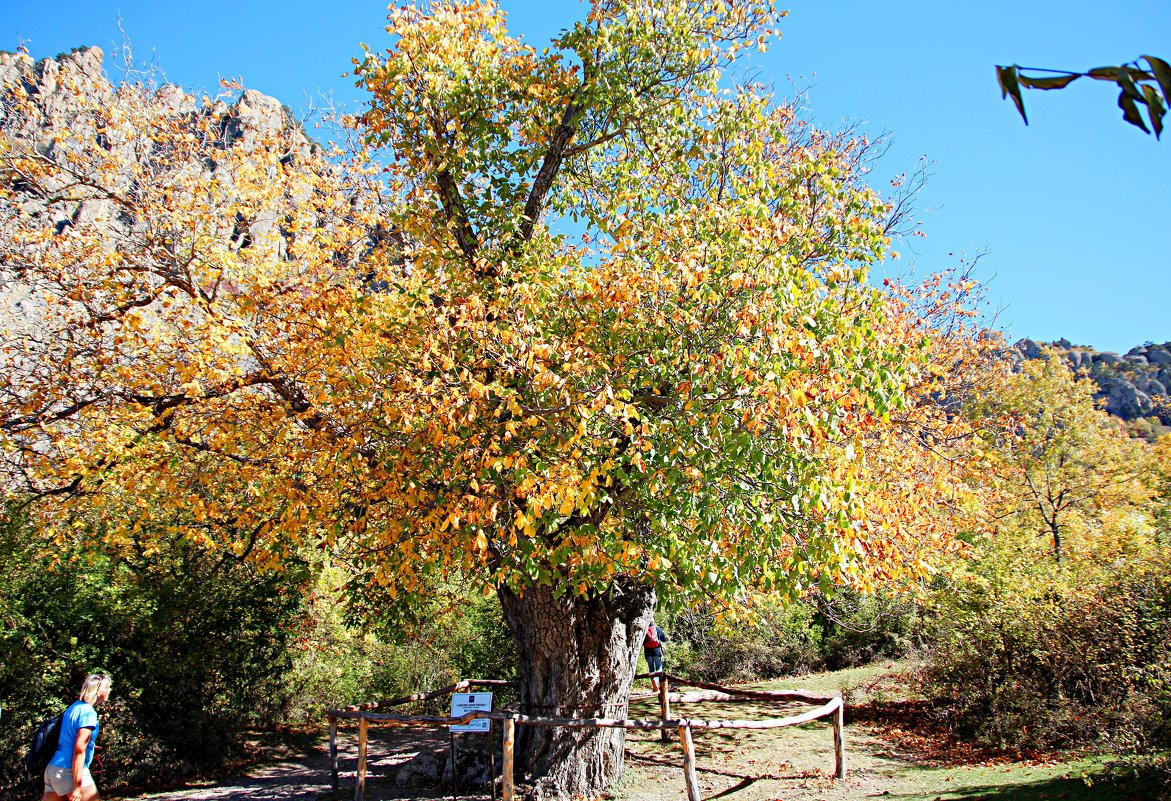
[[550, 167]]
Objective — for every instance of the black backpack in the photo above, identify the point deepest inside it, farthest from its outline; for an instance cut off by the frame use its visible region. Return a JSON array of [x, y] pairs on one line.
[[43, 746]]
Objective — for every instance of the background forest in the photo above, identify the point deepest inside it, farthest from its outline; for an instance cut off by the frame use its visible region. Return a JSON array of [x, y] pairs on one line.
[[364, 420]]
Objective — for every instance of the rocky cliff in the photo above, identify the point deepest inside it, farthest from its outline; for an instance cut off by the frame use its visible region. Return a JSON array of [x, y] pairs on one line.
[[49, 81], [112, 147]]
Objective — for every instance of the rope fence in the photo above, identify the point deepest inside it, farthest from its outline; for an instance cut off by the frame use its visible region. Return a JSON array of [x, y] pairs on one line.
[[827, 707]]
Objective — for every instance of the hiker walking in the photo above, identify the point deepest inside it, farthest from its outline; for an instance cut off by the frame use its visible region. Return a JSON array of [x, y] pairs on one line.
[[652, 646], [68, 776]]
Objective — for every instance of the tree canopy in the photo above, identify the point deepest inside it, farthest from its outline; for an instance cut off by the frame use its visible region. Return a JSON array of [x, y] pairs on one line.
[[1061, 460], [576, 321], [681, 386]]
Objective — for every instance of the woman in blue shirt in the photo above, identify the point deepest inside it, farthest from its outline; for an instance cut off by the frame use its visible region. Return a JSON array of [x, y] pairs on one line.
[[68, 776]]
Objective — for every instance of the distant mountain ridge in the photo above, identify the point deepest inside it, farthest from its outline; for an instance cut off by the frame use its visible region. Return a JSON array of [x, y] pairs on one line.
[[1135, 385]]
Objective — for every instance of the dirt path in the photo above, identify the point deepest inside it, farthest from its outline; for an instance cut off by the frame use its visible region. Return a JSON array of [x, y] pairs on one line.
[[794, 764], [790, 764], [749, 765], [307, 777]]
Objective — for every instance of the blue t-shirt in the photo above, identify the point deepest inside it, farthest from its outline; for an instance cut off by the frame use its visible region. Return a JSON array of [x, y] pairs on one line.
[[78, 716]]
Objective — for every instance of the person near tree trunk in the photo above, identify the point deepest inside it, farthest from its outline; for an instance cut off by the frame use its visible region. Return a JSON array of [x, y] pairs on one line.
[[653, 648]]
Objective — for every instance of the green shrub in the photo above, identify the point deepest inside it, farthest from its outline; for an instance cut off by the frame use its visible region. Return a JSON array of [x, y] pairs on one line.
[[203, 647], [1031, 654], [341, 660], [785, 639], [196, 643], [862, 628]]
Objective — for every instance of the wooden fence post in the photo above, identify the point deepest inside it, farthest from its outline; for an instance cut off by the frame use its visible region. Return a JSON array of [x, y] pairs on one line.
[[360, 787], [840, 741], [689, 762], [506, 771], [664, 707], [333, 752]]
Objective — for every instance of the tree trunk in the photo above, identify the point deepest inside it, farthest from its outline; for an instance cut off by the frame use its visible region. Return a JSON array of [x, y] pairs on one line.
[[1055, 531], [577, 659]]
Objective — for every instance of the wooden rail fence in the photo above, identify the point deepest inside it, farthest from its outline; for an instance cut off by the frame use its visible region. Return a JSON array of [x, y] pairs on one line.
[[828, 706]]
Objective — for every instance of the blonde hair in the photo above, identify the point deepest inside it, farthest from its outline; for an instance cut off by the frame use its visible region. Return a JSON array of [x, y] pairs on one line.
[[93, 685]]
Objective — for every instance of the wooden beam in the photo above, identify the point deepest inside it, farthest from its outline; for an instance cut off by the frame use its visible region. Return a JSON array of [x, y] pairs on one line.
[[689, 762], [333, 752], [355, 709], [464, 684], [360, 787], [612, 723], [507, 790], [490, 683], [664, 707], [840, 742], [763, 695]]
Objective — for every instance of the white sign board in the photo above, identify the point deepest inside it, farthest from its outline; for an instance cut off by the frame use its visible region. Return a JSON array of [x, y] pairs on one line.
[[463, 703]]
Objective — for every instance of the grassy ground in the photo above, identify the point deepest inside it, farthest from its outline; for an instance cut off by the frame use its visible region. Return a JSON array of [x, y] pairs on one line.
[[889, 756]]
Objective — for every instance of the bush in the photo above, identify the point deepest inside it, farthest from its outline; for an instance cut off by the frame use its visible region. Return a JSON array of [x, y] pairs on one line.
[[783, 640], [816, 633], [1032, 654], [203, 648], [340, 661], [860, 629], [196, 643]]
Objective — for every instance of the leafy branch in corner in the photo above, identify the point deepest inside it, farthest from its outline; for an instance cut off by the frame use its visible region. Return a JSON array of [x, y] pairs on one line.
[[1136, 85]]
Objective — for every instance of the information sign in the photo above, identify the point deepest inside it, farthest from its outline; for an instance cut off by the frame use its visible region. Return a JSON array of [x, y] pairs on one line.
[[463, 703]]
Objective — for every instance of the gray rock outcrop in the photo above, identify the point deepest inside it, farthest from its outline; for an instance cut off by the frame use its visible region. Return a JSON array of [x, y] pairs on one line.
[[55, 106], [1131, 386]]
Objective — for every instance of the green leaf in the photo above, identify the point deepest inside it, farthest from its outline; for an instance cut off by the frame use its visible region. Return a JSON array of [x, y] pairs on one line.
[[1155, 108], [1126, 81], [1162, 72], [1056, 82], [1105, 73], [1130, 111], [1010, 85], [1124, 76]]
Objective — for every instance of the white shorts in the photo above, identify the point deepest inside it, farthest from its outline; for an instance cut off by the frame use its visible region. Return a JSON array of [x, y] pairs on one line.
[[60, 780]]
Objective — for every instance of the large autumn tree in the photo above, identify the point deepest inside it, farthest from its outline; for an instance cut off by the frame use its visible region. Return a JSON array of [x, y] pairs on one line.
[[225, 334]]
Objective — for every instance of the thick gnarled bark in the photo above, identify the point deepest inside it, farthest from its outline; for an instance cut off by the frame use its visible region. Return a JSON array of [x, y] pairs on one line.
[[577, 659]]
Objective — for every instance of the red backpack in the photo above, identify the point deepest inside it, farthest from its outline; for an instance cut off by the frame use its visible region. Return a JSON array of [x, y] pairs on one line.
[[652, 638]]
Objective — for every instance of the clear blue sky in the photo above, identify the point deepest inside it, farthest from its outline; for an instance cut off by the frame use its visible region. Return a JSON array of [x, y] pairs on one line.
[[1072, 213]]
